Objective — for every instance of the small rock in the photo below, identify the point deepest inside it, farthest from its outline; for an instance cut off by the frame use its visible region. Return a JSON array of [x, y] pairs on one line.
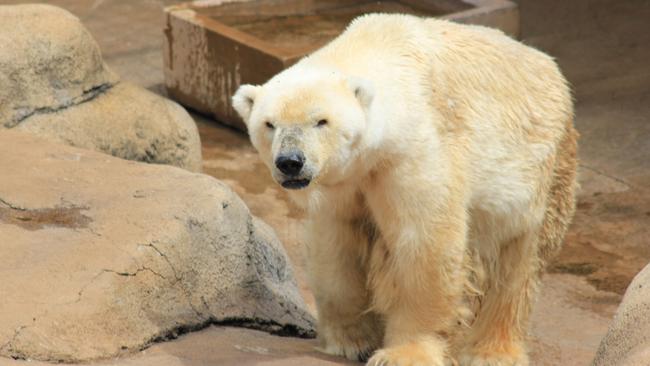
[[102, 256], [48, 60], [54, 83], [627, 342]]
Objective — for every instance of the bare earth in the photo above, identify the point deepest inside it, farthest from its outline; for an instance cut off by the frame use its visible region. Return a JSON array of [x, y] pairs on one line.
[[603, 47]]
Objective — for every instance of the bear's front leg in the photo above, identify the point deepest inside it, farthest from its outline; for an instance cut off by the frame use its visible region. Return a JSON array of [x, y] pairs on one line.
[[417, 273], [336, 256]]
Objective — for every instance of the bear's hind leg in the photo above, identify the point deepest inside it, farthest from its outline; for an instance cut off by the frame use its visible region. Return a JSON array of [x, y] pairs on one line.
[[497, 336]]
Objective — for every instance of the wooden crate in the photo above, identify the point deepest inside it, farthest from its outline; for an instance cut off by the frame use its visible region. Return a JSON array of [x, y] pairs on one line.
[[212, 47]]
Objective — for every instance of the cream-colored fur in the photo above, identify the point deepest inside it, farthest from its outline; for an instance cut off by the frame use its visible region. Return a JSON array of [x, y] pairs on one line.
[[441, 180]]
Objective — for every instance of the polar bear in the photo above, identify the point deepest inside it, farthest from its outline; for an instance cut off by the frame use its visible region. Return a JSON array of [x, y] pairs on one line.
[[437, 165]]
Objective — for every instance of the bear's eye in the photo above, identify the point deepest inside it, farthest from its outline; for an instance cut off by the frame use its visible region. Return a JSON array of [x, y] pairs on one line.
[[321, 123], [269, 125]]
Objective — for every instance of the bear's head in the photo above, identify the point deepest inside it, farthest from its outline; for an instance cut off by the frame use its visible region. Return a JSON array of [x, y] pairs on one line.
[[307, 125]]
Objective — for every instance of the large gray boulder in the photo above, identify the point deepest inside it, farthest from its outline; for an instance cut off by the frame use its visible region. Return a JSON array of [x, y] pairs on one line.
[[102, 256], [54, 83], [627, 342]]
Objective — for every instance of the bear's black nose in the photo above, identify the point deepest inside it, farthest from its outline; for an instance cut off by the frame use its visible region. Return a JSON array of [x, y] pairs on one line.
[[290, 163]]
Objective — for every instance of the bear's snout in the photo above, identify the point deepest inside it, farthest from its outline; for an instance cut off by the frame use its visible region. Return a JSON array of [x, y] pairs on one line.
[[290, 163]]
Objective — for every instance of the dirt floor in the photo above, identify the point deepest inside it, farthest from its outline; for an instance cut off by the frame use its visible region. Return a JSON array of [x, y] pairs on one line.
[[603, 47]]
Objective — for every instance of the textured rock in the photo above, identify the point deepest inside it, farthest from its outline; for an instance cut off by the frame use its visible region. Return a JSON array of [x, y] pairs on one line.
[[48, 61], [102, 256], [55, 84], [627, 342], [125, 121]]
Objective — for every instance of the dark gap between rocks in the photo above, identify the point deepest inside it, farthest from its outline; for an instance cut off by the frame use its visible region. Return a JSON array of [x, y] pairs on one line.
[[271, 327]]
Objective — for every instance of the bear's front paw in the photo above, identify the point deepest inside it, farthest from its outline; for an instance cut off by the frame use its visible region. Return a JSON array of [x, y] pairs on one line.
[[420, 353], [355, 342]]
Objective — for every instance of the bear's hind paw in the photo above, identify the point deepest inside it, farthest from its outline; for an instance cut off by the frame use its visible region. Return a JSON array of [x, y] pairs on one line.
[[518, 358]]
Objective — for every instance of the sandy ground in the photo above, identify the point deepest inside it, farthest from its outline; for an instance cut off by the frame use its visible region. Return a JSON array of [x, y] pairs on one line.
[[602, 46]]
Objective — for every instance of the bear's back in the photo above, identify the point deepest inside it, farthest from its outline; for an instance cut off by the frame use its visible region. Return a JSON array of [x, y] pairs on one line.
[[475, 73]]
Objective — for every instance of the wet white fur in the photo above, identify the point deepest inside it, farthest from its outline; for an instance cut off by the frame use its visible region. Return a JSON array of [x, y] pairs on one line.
[[443, 183]]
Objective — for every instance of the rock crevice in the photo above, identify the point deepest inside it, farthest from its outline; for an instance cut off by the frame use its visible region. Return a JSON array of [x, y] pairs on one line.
[[87, 96]]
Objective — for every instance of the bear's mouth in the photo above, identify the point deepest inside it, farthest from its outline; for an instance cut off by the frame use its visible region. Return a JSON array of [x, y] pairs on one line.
[[295, 183]]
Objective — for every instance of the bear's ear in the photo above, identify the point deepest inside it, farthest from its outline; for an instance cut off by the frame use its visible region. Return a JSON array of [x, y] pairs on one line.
[[244, 99], [363, 90]]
